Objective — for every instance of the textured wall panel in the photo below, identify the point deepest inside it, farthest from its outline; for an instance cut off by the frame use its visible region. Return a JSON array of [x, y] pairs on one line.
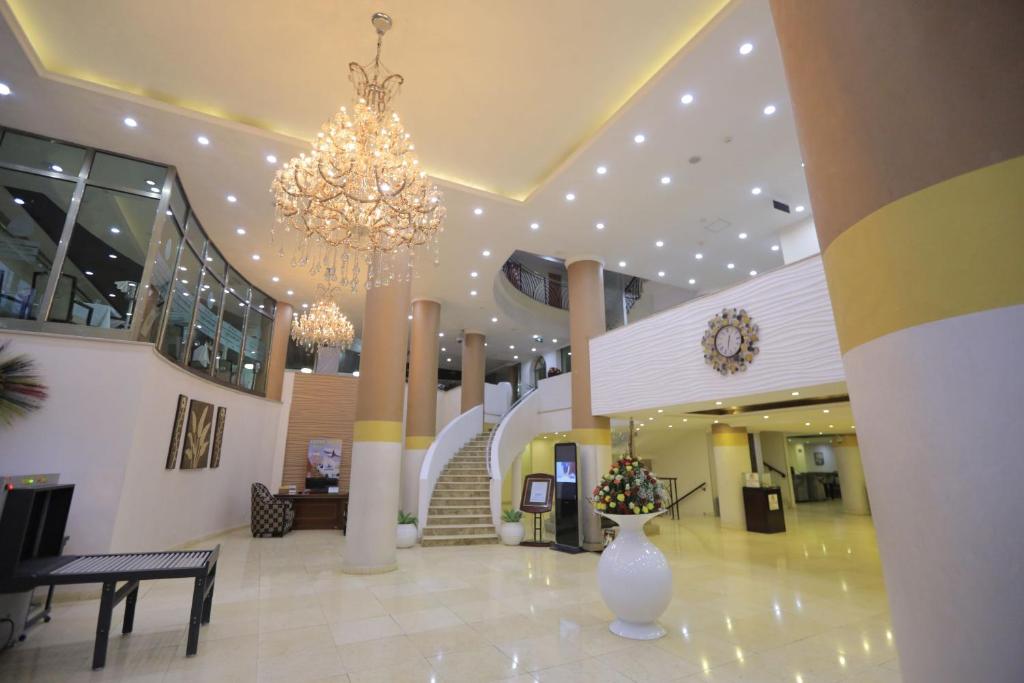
[[323, 407], [659, 361]]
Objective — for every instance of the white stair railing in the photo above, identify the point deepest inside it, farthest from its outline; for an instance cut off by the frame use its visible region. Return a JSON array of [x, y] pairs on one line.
[[450, 441], [519, 425]]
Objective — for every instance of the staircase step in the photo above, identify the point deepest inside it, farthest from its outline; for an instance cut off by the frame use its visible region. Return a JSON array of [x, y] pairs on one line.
[[463, 497], [458, 510], [454, 477], [457, 529], [481, 539], [443, 519]]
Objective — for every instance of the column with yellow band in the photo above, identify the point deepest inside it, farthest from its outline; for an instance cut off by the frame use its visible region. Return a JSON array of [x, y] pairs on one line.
[[731, 458], [377, 437], [421, 404], [592, 433], [909, 117]]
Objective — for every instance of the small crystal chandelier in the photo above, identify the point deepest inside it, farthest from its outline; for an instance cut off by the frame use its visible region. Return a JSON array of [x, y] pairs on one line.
[[359, 196], [323, 324]]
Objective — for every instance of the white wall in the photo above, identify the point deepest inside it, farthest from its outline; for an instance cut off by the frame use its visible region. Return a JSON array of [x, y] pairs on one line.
[[657, 297], [659, 361], [106, 428], [682, 454], [799, 241], [804, 460], [555, 406]]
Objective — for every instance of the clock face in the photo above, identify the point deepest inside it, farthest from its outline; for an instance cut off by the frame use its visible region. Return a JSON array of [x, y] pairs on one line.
[[728, 341]]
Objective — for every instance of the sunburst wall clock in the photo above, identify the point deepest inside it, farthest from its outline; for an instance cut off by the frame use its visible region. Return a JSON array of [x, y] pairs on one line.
[[730, 342]]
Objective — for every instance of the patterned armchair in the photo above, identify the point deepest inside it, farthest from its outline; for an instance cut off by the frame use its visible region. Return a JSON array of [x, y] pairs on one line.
[[270, 516]]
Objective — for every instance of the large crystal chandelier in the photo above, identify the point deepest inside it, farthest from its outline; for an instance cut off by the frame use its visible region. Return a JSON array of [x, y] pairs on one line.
[[359, 198], [323, 324]]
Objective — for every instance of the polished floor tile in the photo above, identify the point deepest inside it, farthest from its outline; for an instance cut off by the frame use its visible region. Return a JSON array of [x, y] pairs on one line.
[[801, 607]]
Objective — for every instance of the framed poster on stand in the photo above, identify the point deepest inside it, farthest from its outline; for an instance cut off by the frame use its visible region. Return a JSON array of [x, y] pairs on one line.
[[538, 498]]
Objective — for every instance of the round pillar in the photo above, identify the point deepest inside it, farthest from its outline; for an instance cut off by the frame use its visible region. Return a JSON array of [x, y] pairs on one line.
[[851, 476], [377, 439], [909, 118], [278, 350], [421, 404], [731, 450], [592, 433], [473, 368]]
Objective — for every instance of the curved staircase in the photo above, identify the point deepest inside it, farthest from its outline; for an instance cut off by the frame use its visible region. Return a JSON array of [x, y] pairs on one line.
[[460, 510]]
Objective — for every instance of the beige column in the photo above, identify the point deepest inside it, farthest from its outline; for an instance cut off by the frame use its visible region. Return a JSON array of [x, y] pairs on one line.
[[909, 118], [851, 475], [731, 450], [421, 402], [278, 350], [592, 433], [377, 435], [473, 368]]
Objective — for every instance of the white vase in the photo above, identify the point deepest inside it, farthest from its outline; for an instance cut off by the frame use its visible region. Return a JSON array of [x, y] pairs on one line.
[[635, 579], [512, 533], [406, 535]]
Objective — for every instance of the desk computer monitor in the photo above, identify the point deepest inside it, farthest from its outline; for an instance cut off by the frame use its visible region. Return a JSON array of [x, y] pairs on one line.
[[320, 484]]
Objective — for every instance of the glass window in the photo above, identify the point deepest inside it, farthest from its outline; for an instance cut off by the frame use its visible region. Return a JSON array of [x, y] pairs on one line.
[[155, 298], [32, 214], [566, 357], [210, 294], [195, 235], [105, 258], [113, 171], [40, 153], [177, 205], [237, 284], [230, 345], [179, 319], [298, 356], [215, 262], [262, 302], [257, 349]]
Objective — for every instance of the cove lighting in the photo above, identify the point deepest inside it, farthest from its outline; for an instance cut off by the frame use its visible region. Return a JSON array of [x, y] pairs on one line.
[[769, 110], [687, 98], [746, 48], [639, 138], [130, 122], [203, 140], [601, 170]]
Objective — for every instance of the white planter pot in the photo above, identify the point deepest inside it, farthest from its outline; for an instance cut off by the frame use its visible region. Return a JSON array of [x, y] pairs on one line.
[[407, 535], [635, 579], [512, 533]]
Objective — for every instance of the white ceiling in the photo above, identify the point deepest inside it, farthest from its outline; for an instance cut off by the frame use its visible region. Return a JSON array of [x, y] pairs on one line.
[[730, 92]]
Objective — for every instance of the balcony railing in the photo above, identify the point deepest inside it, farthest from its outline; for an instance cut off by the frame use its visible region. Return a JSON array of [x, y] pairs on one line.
[[537, 286]]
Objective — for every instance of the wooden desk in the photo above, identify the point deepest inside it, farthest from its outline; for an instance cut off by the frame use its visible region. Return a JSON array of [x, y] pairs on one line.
[[318, 510]]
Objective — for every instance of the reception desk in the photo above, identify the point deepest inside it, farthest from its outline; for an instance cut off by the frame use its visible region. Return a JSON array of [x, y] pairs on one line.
[[318, 510]]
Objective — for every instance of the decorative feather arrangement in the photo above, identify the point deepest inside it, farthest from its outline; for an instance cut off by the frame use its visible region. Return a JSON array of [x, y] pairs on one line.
[[21, 390]]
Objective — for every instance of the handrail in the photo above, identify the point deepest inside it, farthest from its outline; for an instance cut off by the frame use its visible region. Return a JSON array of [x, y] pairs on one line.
[[632, 292], [511, 420], [536, 285], [701, 486], [449, 441], [776, 470], [490, 437]]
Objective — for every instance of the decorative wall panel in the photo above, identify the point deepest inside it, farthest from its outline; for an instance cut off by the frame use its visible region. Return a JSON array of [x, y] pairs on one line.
[[323, 407]]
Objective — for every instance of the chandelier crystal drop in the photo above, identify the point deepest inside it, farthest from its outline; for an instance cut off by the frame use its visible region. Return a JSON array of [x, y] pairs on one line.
[[323, 324], [359, 199]]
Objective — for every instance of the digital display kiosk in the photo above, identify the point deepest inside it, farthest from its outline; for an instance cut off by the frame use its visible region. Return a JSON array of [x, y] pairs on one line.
[[567, 504]]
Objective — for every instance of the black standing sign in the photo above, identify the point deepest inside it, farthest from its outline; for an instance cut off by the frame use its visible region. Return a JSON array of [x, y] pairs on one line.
[[567, 503]]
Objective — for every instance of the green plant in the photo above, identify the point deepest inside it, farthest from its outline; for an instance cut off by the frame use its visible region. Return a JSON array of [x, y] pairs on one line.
[[21, 391], [407, 518], [511, 515]]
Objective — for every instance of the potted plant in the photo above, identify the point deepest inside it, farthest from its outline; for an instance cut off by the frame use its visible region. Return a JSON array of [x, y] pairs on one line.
[[407, 532], [632, 574], [512, 531]]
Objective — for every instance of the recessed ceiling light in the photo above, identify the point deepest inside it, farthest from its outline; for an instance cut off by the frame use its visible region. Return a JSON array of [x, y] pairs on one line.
[[290, 292], [775, 247], [440, 334], [599, 226], [306, 371], [5, 89], [474, 274], [730, 266], [130, 122], [807, 424], [275, 279], [639, 138], [240, 231], [831, 426], [303, 305], [570, 197], [825, 411], [494, 320], [554, 341], [485, 252], [665, 180], [271, 159], [112, 256], [88, 272], [203, 140], [111, 295], [472, 292], [661, 273], [478, 211], [232, 198], [515, 357], [718, 403], [766, 417], [698, 256], [795, 393], [443, 349], [534, 226], [410, 316], [56, 168], [601, 170], [255, 257], [659, 243], [687, 98], [692, 281], [114, 229], [511, 346], [742, 235], [622, 264], [746, 48], [753, 273], [19, 201], [151, 183], [533, 350], [769, 110], [183, 268], [755, 191], [799, 208]]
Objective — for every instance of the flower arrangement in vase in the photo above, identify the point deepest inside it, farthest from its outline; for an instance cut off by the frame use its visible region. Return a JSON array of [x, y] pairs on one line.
[[631, 496]]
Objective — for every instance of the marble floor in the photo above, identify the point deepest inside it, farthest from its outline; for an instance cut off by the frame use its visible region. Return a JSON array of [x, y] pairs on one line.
[[800, 607]]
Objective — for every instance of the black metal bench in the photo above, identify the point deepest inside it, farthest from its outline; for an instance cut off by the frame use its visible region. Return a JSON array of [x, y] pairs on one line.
[[130, 568]]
